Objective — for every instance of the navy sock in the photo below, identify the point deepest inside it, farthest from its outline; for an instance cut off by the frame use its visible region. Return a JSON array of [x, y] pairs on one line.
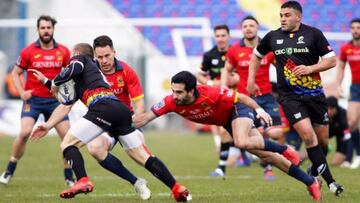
[[224, 154], [68, 174], [300, 175], [273, 146], [160, 171], [355, 138], [75, 160], [10, 169], [113, 164], [349, 151]]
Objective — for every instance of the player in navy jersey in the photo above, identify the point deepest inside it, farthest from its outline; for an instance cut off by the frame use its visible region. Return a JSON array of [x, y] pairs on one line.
[[106, 114], [297, 48]]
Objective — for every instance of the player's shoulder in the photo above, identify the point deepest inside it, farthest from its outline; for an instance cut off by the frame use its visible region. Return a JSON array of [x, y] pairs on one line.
[[213, 51], [29, 47], [310, 29], [347, 45]]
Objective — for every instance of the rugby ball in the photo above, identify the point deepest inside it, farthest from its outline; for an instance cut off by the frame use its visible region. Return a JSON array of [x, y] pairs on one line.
[[67, 94]]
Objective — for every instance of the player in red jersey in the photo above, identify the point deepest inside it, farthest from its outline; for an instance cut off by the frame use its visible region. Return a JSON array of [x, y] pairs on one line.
[[238, 57], [222, 107], [48, 57], [210, 71], [126, 86], [350, 52]]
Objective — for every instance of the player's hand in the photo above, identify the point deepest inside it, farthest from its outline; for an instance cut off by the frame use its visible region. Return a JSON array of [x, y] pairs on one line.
[[339, 92], [253, 89], [301, 70], [39, 132], [26, 95], [54, 90], [261, 114], [38, 75]]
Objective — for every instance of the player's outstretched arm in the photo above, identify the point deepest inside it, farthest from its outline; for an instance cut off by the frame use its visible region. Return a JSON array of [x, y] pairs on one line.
[[254, 65], [140, 120], [56, 117], [261, 114]]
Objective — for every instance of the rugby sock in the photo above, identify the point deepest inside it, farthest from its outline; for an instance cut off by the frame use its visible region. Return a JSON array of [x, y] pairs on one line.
[[224, 154], [113, 164], [75, 160], [300, 175], [349, 151], [273, 146], [10, 169], [318, 160], [68, 174], [160, 171], [355, 138]]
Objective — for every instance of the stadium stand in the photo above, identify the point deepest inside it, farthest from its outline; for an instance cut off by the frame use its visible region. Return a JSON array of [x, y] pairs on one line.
[[229, 12]]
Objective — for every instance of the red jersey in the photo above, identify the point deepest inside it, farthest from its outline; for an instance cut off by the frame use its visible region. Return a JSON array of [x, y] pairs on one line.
[[49, 62], [239, 56], [125, 84], [213, 105], [351, 54]]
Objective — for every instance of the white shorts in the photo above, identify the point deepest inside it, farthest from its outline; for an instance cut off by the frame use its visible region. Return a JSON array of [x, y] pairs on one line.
[[131, 140], [86, 131]]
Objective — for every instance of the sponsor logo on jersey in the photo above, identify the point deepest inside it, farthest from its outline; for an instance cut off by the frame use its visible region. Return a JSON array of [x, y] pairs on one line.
[[326, 117], [279, 41], [47, 64], [291, 50], [195, 111], [215, 61], [241, 54], [159, 105], [300, 40], [36, 56]]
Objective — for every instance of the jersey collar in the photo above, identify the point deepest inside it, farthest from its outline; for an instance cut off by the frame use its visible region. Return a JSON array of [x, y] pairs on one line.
[[118, 65], [38, 45]]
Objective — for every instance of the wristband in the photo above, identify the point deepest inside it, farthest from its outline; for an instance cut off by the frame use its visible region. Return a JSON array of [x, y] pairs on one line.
[[259, 110]]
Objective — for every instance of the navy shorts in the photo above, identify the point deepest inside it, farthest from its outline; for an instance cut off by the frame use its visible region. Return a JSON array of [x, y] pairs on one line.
[[355, 92], [239, 110], [269, 104], [39, 105]]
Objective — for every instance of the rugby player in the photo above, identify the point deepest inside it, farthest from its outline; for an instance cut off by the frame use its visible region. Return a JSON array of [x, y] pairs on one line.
[[105, 114], [297, 48], [350, 52], [223, 107], [238, 57], [47, 56]]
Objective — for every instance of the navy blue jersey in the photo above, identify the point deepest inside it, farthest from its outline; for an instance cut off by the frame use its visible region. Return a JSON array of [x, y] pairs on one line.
[[212, 63], [90, 84], [303, 47]]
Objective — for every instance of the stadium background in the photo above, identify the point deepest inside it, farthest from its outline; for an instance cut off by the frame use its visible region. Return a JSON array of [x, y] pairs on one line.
[[158, 38]]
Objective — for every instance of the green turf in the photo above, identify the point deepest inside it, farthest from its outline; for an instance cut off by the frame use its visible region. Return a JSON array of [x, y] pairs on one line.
[[39, 176]]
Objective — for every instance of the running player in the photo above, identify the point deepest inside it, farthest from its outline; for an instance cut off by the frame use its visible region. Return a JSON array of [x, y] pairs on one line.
[[350, 52], [212, 64], [297, 48], [222, 107], [238, 58], [48, 57], [106, 114]]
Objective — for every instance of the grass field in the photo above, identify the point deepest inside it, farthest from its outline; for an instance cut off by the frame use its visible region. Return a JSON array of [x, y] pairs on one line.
[[39, 175]]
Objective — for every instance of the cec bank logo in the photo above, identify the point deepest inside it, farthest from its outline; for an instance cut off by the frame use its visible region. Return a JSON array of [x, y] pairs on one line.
[[289, 51]]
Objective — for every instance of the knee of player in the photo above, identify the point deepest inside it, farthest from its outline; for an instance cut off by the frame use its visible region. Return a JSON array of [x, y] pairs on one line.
[[97, 151], [241, 143]]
